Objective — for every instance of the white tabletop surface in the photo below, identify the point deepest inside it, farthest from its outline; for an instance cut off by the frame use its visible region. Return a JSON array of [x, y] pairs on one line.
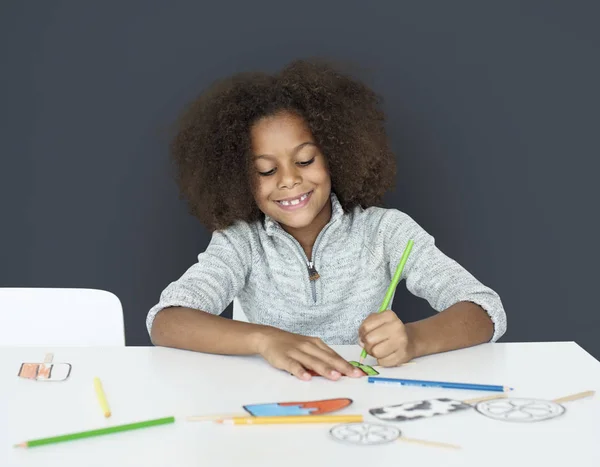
[[142, 383]]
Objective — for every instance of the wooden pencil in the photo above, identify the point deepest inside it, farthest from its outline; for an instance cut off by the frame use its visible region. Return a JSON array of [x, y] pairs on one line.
[[291, 419], [101, 397], [214, 417], [435, 444]]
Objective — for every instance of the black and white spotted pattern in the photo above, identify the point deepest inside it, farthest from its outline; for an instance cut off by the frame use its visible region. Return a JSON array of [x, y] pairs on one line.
[[418, 409]]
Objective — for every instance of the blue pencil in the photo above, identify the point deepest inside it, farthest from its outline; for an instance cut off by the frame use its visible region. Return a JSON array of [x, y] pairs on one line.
[[438, 384]]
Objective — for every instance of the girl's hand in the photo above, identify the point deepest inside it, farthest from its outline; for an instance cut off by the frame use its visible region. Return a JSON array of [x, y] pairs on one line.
[[295, 354], [384, 337]]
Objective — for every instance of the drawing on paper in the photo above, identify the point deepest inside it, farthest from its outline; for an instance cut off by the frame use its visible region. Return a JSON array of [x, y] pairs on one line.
[[426, 408], [297, 408], [366, 369], [520, 410], [369, 370], [527, 410], [365, 433], [418, 409], [46, 371]]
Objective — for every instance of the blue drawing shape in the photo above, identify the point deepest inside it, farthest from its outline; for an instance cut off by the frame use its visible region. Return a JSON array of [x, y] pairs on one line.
[[274, 410]]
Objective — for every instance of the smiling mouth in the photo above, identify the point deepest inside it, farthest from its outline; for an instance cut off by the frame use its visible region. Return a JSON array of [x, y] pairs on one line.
[[300, 200]]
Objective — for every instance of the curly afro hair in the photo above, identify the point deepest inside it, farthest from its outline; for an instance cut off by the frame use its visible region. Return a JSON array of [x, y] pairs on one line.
[[211, 148]]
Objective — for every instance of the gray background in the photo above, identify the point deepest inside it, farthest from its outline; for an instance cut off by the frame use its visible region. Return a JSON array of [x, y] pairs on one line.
[[493, 113]]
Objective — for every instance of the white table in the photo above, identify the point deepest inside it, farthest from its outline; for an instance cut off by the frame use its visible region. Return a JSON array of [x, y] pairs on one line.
[[145, 382]]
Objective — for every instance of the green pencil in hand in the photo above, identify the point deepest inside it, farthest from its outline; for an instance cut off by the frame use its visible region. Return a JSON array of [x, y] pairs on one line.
[[390, 291]]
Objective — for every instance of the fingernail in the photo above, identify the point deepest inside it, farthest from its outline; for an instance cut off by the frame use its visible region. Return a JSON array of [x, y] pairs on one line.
[[335, 374], [357, 372]]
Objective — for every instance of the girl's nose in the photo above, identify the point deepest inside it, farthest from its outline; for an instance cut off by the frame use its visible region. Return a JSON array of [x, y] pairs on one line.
[[289, 178]]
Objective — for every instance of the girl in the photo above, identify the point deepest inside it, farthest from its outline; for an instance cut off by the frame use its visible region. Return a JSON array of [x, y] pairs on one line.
[[288, 172]]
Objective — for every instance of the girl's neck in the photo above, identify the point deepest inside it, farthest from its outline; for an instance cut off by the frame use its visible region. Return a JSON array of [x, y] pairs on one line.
[[306, 236]]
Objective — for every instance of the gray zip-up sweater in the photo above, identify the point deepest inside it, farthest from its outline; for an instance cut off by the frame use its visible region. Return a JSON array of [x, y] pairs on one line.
[[355, 256]]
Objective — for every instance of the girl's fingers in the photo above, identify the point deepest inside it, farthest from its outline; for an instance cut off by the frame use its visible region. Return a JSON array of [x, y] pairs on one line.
[[375, 337], [394, 359], [383, 349], [375, 320], [313, 363], [332, 362], [331, 367], [346, 368], [295, 368], [322, 345]]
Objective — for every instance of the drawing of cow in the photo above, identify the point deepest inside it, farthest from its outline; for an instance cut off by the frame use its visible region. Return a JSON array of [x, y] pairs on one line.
[[418, 409]]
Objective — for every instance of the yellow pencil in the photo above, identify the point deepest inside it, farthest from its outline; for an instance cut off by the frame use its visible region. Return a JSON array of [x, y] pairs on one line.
[[101, 397], [291, 419]]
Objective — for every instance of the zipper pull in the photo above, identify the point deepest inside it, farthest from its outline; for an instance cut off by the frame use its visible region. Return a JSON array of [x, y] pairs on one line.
[[313, 275]]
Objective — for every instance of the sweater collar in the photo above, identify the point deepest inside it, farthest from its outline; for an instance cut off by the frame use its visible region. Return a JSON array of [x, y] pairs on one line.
[[271, 225]]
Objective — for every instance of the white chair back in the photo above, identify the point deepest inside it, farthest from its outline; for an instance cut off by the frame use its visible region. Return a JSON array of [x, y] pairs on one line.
[[60, 317], [238, 313]]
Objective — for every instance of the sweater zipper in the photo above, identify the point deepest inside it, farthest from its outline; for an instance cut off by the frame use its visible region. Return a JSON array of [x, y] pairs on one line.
[[313, 274]]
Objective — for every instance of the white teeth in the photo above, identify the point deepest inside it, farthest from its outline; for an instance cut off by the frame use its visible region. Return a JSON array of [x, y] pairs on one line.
[[294, 201]]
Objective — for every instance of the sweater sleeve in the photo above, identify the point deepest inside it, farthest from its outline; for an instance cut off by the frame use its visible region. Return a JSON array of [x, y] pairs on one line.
[[215, 279], [433, 276]]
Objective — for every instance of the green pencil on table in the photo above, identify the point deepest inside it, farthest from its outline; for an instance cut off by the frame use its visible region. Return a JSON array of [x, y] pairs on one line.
[[91, 433], [392, 287]]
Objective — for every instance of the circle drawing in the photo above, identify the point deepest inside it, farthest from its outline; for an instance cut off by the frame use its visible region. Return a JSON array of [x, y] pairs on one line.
[[365, 433], [520, 410]]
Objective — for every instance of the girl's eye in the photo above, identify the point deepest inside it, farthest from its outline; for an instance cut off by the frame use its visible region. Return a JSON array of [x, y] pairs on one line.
[[266, 174], [301, 164], [305, 163]]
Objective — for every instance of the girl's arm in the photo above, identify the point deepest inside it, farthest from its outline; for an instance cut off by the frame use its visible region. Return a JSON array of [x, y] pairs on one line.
[[187, 315], [391, 342], [464, 324], [469, 312], [187, 328]]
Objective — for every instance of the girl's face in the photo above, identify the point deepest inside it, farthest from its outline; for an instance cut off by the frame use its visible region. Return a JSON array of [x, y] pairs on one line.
[[292, 181]]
